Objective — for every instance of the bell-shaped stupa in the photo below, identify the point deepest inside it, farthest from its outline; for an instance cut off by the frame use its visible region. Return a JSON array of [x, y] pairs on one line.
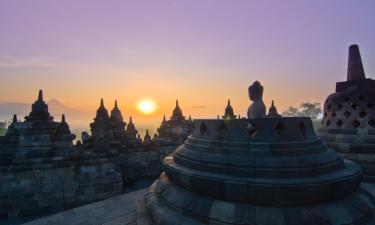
[[268, 170], [348, 124], [228, 113]]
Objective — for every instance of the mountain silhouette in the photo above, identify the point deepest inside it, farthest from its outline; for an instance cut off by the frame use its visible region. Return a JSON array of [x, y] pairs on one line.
[[56, 109]]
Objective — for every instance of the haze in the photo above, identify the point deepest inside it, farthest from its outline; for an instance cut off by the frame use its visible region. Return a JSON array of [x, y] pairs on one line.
[[199, 52]]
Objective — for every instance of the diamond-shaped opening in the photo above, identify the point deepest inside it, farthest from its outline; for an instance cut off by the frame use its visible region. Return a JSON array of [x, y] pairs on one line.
[[371, 123], [339, 123], [334, 114], [251, 130], [346, 99], [329, 107], [280, 128], [203, 128], [339, 106], [355, 106], [325, 115], [356, 123], [328, 123], [370, 105], [361, 97], [362, 114], [347, 114], [302, 128]]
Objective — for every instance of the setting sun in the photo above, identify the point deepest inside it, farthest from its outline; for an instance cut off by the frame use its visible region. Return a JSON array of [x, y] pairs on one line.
[[146, 106]]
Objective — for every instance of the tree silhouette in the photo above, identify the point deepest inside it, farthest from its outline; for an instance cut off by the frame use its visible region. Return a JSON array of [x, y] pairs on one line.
[[306, 109]]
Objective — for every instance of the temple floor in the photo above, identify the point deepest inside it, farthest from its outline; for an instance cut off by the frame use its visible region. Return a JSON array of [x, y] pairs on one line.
[[122, 209]]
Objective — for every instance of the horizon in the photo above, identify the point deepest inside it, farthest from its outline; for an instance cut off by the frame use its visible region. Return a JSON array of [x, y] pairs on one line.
[[199, 52]]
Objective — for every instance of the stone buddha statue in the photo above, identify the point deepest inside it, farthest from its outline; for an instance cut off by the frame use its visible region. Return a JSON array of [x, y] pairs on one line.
[[257, 109]]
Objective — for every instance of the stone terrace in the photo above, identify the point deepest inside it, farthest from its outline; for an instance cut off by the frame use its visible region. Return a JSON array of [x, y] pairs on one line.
[[121, 209], [129, 209]]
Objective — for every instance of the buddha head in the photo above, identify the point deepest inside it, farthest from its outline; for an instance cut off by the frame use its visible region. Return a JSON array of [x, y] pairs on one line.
[[255, 91]]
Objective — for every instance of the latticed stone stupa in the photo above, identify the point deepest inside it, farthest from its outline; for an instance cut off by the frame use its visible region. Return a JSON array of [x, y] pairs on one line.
[[348, 123]]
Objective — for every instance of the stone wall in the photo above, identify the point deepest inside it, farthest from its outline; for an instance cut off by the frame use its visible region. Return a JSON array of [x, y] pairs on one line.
[[42, 186], [46, 188], [38, 191], [99, 177], [142, 162]]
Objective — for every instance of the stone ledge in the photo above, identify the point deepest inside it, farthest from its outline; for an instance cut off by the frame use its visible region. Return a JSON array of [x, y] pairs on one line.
[[121, 209], [175, 205]]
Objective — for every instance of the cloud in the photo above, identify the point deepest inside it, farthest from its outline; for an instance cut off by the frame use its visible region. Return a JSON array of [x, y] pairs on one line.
[[18, 62]]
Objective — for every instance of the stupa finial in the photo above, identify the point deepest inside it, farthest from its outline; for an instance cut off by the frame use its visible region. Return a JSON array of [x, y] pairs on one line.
[[101, 102], [40, 95], [39, 109], [14, 118], [355, 67], [177, 103], [115, 103], [63, 118]]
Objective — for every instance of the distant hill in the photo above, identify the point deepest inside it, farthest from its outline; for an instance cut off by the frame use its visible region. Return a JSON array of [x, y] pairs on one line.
[[56, 109]]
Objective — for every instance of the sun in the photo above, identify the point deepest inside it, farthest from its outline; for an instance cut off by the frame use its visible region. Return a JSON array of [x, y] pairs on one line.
[[146, 106]]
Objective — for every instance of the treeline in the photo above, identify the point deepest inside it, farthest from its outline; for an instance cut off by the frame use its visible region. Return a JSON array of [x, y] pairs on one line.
[[3, 127], [306, 109]]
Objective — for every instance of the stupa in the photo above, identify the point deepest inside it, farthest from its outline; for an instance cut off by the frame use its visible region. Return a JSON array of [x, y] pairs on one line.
[[101, 128], [147, 139], [264, 170], [39, 135], [118, 124], [176, 130], [112, 129], [131, 132], [272, 112], [42, 172], [348, 124], [228, 113]]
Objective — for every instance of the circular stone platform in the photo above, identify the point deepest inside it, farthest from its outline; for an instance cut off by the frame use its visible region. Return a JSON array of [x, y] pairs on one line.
[[238, 171]]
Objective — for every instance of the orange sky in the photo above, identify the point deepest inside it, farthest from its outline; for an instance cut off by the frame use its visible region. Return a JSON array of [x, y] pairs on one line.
[[199, 97], [200, 52]]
